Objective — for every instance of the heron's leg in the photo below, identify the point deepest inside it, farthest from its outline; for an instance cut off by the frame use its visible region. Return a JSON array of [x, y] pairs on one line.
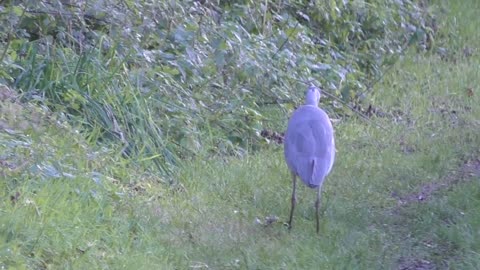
[[317, 208], [294, 199]]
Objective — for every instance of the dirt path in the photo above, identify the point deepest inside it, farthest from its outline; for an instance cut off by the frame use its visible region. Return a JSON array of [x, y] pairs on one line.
[[468, 170]]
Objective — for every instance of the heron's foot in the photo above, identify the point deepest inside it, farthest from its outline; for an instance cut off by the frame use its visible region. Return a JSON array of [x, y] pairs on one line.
[[288, 225]]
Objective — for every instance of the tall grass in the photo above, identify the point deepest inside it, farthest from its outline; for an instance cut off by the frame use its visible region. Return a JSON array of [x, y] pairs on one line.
[[163, 82]]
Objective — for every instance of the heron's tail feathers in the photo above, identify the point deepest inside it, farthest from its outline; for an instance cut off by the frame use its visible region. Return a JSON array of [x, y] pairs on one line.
[[315, 173]]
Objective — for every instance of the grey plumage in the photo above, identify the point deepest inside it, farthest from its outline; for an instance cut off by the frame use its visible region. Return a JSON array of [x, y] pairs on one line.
[[309, 147]]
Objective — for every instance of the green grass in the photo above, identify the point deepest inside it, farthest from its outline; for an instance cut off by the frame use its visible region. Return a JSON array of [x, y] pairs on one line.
[[79, 207]]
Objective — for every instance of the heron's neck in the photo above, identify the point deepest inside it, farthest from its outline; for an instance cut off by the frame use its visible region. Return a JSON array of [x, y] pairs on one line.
[[310, 100]]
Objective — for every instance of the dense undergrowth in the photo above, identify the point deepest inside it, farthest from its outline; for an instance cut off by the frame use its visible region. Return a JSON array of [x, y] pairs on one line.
[[167, 80], [103, 103]]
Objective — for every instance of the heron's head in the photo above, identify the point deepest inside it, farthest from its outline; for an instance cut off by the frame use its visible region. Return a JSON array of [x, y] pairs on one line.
[[312, 97]]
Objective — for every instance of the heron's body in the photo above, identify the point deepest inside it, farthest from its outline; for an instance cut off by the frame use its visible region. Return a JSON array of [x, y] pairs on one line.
[[309, 146]]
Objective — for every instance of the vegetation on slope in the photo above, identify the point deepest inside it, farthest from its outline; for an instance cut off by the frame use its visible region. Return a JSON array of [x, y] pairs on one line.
[[163, 80]]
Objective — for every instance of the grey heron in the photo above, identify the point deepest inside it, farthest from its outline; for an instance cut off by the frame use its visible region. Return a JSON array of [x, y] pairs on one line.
[[309, 147]]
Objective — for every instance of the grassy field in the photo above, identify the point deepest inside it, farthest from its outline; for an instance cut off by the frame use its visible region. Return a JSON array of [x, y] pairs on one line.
[[404, 192]]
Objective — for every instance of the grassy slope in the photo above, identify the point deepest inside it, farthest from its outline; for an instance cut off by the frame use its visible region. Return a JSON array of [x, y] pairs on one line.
[[370, 217]]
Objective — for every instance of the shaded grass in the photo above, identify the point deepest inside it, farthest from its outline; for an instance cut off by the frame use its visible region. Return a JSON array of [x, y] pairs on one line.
[[443, 229]]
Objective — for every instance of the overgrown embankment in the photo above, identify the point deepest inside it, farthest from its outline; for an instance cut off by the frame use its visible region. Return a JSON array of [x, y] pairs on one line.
[[164, 81]]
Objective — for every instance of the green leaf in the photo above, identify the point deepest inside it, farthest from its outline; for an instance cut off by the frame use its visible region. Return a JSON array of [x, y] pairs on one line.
[[18, 10]]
